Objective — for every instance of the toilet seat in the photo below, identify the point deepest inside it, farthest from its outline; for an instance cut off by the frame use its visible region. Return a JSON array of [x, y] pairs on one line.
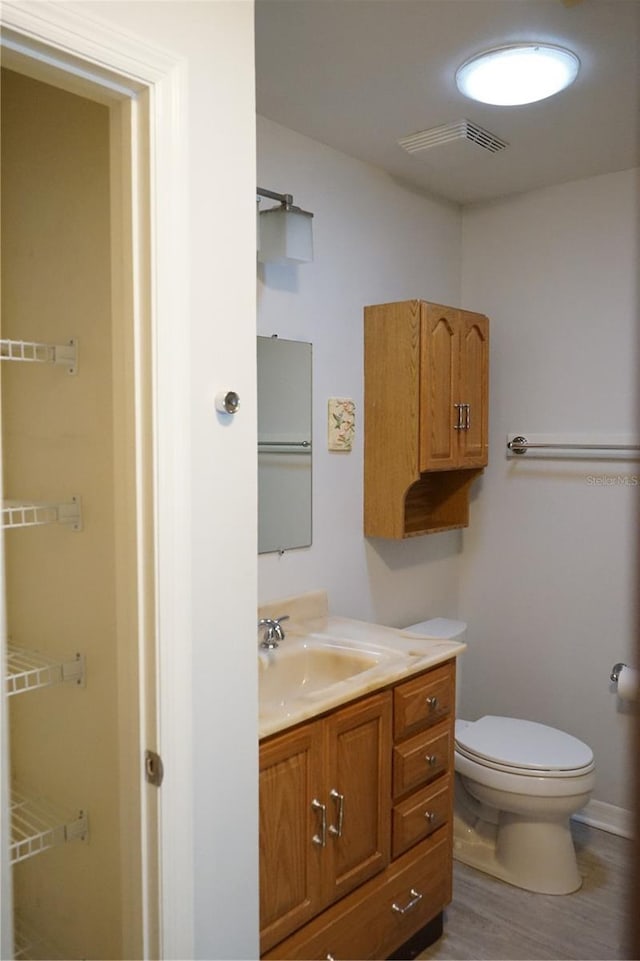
[[525, 748]]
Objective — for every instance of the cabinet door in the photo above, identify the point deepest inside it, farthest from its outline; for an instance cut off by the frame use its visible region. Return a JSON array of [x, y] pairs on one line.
[[290, 860], [474, 389], [439, 383], [358, 793]]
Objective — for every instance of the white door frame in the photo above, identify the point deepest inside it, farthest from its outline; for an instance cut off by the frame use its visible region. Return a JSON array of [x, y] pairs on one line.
[[89, 57]]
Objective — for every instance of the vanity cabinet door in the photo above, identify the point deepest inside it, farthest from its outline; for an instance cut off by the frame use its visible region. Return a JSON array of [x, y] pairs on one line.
[[290, 860], [358, 793]]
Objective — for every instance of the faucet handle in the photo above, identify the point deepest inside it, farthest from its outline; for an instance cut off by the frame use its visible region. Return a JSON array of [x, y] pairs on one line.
[[272, 631], [278, 630]]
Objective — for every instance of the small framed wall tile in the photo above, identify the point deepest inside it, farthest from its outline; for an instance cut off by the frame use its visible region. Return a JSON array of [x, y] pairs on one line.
[[341, 423]]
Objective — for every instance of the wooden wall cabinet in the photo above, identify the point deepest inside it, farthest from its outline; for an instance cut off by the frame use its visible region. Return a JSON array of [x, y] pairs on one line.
[[369, 891], [426, 370]]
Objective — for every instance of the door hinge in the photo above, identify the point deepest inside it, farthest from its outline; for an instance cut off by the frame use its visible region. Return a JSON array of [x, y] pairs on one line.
[[153, 768]]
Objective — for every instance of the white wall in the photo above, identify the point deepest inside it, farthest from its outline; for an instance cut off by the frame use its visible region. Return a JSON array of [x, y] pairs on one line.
[[549, 563], [374, 241]]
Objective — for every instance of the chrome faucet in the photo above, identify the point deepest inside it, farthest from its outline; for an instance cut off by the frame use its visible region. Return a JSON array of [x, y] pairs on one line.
[[272, 631]]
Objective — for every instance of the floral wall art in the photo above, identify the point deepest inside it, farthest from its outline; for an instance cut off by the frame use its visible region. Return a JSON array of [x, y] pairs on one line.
[[341, 423]]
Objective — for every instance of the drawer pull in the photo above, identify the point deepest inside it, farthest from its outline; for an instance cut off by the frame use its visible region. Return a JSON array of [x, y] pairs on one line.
[[330, 957], [321, 838], [431, 759], [415, 899], [429, 816], [432, 701]]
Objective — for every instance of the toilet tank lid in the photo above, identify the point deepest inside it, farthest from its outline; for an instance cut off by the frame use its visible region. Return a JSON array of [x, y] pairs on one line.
[[523, 744], [442, 628]]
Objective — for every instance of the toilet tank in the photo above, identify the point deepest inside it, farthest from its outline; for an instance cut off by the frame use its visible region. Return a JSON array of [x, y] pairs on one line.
[[443, 629], [440, 628]]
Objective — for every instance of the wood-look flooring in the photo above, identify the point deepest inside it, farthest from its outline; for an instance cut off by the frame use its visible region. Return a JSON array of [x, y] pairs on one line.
[[489, 920]]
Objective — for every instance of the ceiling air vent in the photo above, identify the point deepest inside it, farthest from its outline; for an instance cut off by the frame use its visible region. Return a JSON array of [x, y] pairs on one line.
[[448, 132]]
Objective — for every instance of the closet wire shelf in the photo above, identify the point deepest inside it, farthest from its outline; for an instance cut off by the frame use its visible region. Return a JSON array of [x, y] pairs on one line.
[[32, 514], [37, 825], [34, 352], [29, 670], [30, 944]]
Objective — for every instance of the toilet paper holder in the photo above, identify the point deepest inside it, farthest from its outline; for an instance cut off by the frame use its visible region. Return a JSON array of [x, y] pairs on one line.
[[616, 671]]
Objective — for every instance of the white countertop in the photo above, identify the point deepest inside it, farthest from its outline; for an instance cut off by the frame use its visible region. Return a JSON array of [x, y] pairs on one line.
[[401, 655]]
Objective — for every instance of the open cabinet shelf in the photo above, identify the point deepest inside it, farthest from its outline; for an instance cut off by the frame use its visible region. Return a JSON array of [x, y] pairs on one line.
[[37, 825], [29, 670]]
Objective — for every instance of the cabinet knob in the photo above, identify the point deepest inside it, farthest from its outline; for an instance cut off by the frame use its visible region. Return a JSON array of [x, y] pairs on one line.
[[429, 816], [431, 759], [432, 702]]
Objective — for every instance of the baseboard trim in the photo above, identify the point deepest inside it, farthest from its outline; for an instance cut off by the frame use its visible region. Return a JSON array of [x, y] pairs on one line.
[[607, 817]]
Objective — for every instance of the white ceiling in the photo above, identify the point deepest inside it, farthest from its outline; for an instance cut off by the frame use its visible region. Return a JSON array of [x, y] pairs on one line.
[[360, 74]]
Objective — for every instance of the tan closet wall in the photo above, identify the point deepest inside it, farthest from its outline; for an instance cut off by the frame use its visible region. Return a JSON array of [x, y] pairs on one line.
[[58, 442]]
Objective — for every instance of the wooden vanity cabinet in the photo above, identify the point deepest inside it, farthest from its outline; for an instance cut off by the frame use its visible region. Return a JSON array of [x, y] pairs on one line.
[[324, 813], [426, 416], [365, 894]]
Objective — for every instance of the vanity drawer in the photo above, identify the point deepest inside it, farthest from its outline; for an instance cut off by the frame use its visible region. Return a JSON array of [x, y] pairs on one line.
[[382, 914], [421, 759], [420, 815], [424, 701]]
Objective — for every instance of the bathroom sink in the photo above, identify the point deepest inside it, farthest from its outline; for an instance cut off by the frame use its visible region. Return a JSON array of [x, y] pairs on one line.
[[294, 670]]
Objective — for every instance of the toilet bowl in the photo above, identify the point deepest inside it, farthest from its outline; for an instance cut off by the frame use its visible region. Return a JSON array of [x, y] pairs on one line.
[[517, 784]]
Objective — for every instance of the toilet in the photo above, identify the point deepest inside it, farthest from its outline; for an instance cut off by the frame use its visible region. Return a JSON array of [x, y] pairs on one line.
[[517, 783]]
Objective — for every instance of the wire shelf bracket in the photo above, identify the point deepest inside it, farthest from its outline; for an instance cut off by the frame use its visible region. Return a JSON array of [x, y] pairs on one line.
[[36, 826], [34, 352], [29, 670], [31, 514]]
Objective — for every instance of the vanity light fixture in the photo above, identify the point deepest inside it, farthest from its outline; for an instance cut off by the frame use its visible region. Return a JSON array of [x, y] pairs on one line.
[[517, 73], [285, 235]]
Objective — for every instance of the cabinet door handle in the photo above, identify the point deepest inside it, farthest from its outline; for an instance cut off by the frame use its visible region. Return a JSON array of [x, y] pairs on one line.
[[415, 898], [339, 798], [432, 702], [320, 839], [467, 416], [431, 759], [458, 425]]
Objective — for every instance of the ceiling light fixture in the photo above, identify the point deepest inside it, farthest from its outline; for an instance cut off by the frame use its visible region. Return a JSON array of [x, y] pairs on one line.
[[517, 73]]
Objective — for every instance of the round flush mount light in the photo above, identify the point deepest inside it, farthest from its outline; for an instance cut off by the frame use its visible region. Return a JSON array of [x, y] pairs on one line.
[[517, 73]]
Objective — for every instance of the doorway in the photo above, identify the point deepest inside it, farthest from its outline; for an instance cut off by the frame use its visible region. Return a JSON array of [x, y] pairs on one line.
[[79, 596]]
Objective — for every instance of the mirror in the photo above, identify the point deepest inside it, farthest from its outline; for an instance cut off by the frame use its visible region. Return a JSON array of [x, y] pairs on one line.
[[284, 444]]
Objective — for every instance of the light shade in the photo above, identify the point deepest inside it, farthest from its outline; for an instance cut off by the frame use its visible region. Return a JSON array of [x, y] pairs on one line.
[[517, 74], [285, 236]]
